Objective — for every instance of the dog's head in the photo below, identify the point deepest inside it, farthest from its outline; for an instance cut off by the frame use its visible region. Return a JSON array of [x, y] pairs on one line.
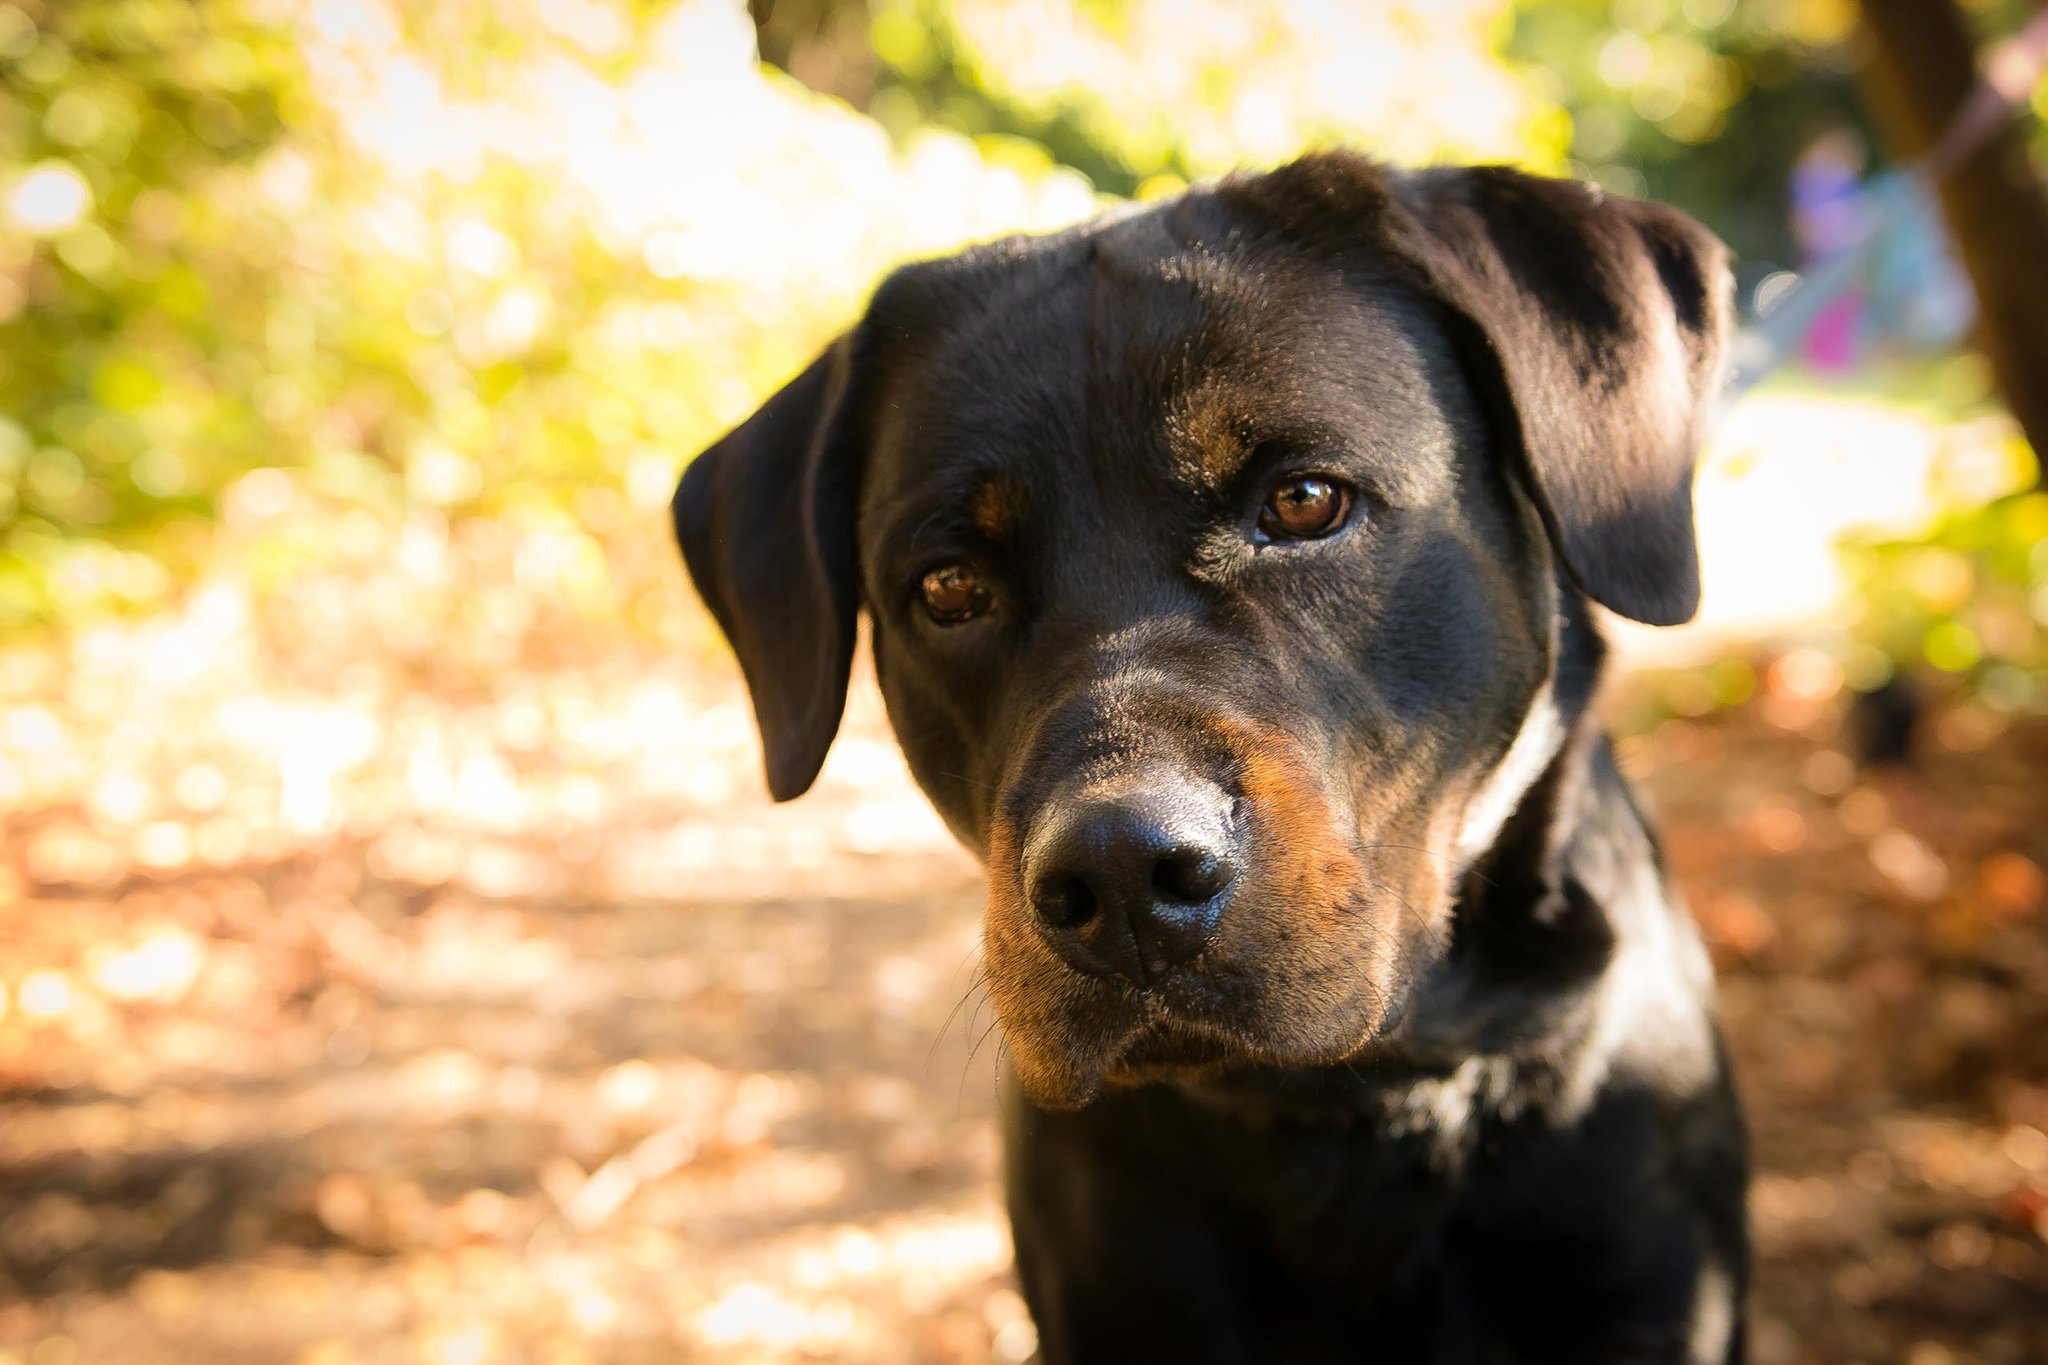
[[1214, 555]]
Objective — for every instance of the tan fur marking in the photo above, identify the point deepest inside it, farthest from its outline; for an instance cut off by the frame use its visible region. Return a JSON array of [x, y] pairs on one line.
[[1206, 425], [995, 510], [1304, 855]]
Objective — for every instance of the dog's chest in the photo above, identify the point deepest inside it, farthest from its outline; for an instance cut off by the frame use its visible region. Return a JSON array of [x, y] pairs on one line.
[[1351, 1206]]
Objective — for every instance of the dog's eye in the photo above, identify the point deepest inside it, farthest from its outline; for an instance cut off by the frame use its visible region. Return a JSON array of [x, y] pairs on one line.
[[1306, 507], [953, 593]]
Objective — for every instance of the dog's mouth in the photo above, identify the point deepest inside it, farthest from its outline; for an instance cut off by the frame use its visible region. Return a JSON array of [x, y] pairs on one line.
[[1154, 1044], [1135, 1042], [1071, 1037]]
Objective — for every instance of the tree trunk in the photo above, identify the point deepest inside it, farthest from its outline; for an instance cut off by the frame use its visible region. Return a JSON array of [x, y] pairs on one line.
[[1923, 64]]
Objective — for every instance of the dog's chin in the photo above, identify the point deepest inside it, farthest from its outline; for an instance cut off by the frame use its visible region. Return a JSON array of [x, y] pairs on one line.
[[1066, 1069]]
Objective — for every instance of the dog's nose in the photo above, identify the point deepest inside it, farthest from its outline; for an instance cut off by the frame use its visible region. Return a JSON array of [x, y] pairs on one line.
[[1134, 885]]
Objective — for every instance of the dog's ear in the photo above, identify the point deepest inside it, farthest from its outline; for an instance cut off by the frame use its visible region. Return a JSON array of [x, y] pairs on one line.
[[766, 522], [1607, 320]]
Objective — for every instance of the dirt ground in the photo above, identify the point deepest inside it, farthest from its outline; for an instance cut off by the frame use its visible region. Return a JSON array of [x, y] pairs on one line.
[[365, 1011]]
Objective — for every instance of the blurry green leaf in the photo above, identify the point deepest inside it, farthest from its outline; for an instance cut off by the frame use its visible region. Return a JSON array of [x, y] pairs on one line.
[[126, 385], [1732, 681], [1952, 646]]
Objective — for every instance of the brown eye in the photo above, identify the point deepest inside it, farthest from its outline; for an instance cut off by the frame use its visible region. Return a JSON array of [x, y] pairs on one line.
[[953, 593], [1305, 508]]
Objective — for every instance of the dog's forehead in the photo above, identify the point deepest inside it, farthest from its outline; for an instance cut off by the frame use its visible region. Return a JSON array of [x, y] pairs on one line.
[[1153, 342]]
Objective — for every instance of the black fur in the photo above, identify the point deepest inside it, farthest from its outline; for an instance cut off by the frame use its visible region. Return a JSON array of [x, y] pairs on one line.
[[1444, 1082]]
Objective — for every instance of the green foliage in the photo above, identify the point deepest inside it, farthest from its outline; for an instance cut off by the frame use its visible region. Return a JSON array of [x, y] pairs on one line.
[[240, 286], [1144, 95], [1968, 598], [1704, 104], [136, 300], [933, 76]]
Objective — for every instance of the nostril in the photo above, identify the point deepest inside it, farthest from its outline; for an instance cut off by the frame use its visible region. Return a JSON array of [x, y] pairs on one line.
[[1064, 901], [1191, 875]]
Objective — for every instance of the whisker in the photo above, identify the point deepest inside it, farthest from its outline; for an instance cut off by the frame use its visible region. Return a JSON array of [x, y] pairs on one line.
[[960, 1091], [974, 1015], [932, 1052], [971, 781]]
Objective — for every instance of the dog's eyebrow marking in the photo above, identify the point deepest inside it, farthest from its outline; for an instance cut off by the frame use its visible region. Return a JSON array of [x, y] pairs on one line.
[[1210, 436], [994, 508]]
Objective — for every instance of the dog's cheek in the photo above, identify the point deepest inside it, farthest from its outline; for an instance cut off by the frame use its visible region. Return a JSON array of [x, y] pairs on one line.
[[1334, 929], [930, 731]]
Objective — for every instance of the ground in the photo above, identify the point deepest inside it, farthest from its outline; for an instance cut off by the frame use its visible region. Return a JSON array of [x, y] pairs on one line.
[[362, 1008]]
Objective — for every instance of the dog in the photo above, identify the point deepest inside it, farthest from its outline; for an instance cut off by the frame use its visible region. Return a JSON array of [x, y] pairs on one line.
[[1231, 564]]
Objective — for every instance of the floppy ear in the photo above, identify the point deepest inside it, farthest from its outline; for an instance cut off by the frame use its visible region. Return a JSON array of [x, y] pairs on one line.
[[766, 521], [1607, 319]]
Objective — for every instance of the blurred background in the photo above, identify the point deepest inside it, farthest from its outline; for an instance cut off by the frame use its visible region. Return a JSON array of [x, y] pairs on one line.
[[399, 959]]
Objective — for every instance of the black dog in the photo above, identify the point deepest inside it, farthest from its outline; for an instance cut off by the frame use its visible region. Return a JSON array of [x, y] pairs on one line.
[[1228, 564]]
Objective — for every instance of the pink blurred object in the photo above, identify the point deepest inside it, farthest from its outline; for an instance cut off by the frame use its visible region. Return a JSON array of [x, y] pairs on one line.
[[1834, 341]]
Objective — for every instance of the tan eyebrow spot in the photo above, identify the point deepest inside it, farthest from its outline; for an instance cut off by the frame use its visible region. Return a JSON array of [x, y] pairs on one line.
[[995, 509], [1207, 428]]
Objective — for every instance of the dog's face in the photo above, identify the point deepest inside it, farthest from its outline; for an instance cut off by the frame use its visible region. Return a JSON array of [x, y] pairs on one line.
[[1201, 610], [1213, 556]]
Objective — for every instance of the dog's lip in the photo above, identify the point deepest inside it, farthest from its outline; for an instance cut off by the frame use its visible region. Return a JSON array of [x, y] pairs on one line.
[[1211, 1014], [1062, 1062], [1153, 1040], [1178, 1030]]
